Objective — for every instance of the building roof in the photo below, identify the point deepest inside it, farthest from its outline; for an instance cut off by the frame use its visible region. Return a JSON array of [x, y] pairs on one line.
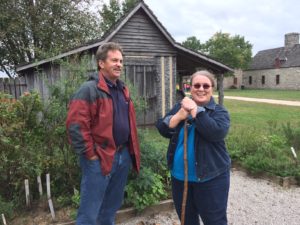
[[276, 58], [114, 29]]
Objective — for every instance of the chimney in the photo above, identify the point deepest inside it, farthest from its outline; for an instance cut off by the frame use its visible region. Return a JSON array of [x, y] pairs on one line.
[[290, 40]]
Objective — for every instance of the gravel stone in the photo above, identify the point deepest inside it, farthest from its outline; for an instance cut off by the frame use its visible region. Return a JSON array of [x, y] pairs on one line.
[[252, 201]]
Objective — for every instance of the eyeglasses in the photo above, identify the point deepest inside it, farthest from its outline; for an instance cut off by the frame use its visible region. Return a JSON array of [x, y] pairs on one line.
[[198, 86]]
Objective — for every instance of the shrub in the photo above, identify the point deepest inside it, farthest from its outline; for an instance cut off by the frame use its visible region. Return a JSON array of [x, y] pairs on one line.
[[20, 142], [268, 152], [146, 189], [6, 208]]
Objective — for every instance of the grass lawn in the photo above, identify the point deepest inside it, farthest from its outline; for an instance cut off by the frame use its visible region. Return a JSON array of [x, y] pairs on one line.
[[245, 115], [271, 94], [253, 139], [258, 115]]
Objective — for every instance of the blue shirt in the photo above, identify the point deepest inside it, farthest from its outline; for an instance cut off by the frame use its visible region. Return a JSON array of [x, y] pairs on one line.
[[121, 129], [178, 164]]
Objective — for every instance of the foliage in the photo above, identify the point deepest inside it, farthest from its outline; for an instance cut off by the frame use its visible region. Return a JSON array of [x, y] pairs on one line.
[[76, 198], [140, 104], [6, 208], [193, 43], [152, 184], [33, 137], [147, 189], [34, 29], [267, 152], [20, 142], [112, 12], [61, 159], [292, 135], [232, 51]]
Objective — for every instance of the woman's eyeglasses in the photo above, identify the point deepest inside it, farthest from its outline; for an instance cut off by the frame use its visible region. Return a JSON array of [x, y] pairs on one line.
[[198, 86]]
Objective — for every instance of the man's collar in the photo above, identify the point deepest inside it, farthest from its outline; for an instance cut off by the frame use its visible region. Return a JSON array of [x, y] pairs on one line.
[[110, 84]]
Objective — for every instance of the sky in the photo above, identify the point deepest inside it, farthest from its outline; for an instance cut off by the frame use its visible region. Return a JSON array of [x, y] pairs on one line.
[[261, 22]]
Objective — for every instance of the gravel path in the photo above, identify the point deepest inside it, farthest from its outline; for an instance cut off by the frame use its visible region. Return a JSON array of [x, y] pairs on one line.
[[252, 201]]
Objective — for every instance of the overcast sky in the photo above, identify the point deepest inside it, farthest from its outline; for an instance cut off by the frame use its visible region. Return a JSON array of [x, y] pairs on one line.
[[262, 22]]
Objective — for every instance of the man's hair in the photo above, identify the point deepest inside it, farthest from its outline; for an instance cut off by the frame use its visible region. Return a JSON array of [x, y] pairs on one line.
[[101, 53], [204, 73]]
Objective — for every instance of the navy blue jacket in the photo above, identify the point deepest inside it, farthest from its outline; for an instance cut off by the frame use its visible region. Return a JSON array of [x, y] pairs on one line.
[[211, 128]]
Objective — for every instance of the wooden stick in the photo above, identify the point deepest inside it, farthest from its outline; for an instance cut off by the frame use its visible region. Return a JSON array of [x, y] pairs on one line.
[[48, 185], [39, 181], [49, 196], [51, 208], [185, 189], [27, 193], [3, 219]]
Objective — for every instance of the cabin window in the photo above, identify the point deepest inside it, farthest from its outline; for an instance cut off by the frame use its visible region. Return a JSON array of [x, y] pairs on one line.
[[263, 80], [277, 79], [250, 80]]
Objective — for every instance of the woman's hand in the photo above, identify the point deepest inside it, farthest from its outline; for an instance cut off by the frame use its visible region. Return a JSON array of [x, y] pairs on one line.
[[182, 114], [188, 104]]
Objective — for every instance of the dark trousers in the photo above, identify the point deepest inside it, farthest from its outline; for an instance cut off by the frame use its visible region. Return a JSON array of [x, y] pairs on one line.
[[207, 200]]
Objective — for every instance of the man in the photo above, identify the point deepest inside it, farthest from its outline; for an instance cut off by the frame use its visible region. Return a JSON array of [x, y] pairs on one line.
[[101, 127]]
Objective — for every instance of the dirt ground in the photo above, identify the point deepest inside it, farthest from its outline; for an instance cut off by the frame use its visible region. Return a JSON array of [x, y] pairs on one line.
[[42, 216]]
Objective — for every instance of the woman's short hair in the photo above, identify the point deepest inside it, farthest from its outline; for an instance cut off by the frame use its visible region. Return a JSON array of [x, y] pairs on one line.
[[204, 73]]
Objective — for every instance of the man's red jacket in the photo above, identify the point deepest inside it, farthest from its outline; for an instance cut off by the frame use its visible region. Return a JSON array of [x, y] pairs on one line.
[[90, 123]]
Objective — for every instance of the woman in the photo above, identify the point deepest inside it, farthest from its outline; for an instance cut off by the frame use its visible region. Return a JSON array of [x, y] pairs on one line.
[[208, 159]]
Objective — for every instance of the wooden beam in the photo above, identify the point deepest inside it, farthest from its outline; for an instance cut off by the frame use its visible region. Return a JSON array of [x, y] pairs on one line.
[[163, 95], [171, 81]]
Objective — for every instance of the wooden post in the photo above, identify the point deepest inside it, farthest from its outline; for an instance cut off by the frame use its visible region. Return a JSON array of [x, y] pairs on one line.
[[295, 155], [3, 219], [51, 208], [220, 80], [48, 185], [27, 193], [185, 188], [39, 181], [49, 196]]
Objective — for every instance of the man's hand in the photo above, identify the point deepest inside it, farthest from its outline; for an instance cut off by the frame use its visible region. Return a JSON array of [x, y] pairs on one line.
[[95, 157]]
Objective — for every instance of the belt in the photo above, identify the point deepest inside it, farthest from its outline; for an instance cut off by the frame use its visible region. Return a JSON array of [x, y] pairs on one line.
[[120, 147]]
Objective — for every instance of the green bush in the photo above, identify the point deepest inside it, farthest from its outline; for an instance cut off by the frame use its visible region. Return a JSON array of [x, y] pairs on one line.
[[6, 208], [292, 135], [151, 185], [20, 142], [146, 189], [268, 152]]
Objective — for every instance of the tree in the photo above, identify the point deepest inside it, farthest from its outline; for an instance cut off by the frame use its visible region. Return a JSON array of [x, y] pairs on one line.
[[112, 12], [192, 43], [232, 51], [34, 29]]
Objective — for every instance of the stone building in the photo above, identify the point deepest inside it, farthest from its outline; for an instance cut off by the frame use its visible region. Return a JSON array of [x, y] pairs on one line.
[[277, 68]]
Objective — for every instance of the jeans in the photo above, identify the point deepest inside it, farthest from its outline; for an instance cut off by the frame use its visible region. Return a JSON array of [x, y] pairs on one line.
[[207, 199], [101, 196]]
